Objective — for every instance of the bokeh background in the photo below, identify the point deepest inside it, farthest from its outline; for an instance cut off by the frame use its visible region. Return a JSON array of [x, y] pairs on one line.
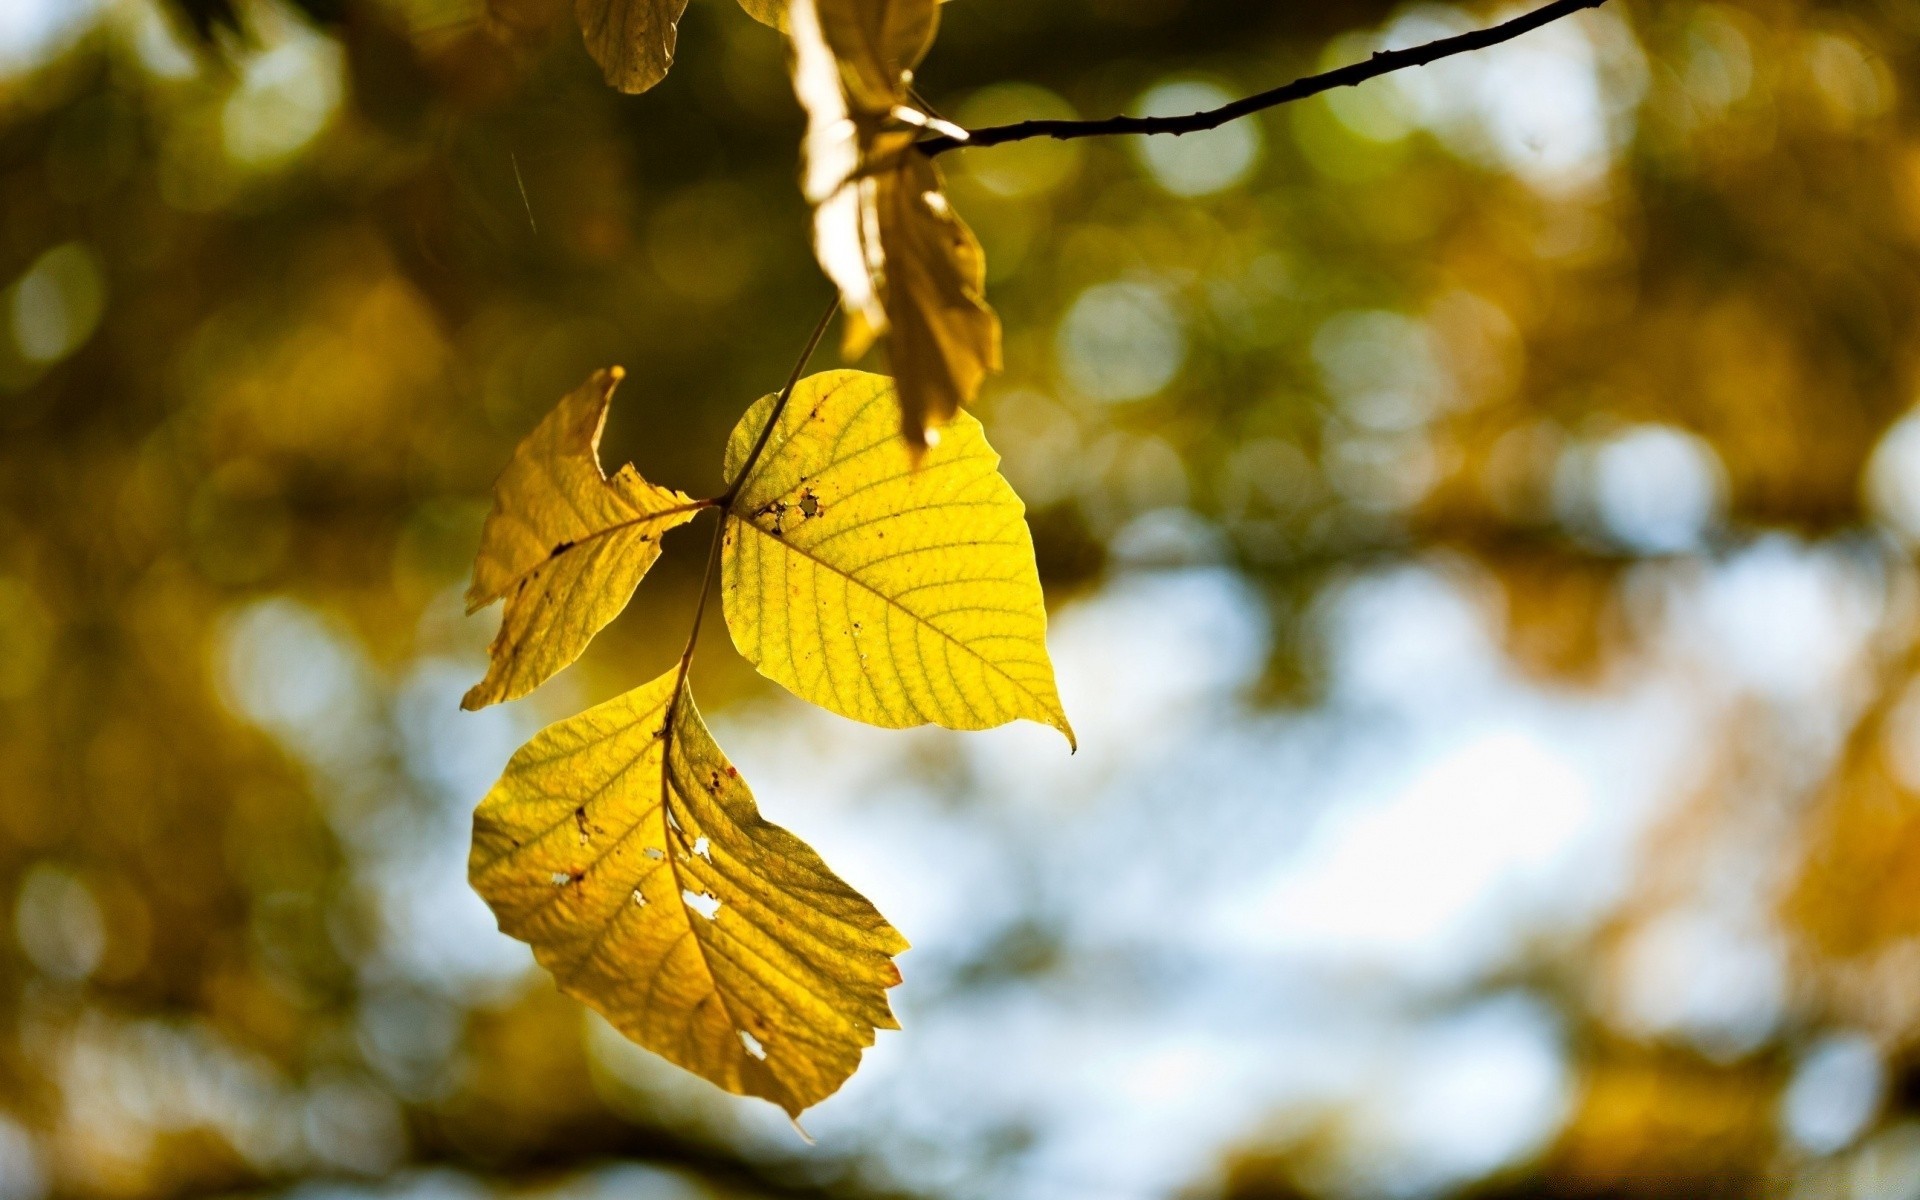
[[1478, 511]]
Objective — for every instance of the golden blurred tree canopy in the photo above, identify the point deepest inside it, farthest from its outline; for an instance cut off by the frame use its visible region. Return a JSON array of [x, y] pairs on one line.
[[1589, 325]]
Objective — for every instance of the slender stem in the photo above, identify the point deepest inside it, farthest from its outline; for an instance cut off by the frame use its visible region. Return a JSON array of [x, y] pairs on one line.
[[725, 499], [699, 615], [723, 502], [1382, 63]]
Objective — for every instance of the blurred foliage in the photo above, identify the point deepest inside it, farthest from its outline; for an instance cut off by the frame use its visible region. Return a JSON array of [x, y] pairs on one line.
[[281, 298]]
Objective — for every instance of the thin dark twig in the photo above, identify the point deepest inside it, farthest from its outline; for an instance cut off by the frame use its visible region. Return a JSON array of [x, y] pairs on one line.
[[726, 498], [693, 638], [1382, 63], [670, 722], [724, 502]]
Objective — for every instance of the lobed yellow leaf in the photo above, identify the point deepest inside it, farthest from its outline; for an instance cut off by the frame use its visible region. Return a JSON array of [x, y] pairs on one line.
[[632, 40], [564, 545], [884, 232], [624, 848], [891, 592]]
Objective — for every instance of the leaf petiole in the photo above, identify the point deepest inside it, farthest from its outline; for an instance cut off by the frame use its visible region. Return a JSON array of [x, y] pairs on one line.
[[724, 502]]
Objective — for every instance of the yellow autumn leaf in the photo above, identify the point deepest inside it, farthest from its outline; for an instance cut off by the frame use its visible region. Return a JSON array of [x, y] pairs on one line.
[[891, 592], [884, 231], [624, 848], [632, 40], [564, 545]]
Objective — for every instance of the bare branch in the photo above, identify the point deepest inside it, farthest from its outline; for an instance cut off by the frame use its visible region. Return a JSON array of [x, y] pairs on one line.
[[1384, 62]]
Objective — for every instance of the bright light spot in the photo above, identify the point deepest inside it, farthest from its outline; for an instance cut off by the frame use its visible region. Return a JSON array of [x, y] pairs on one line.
[[287, 95], [354, 1126], [1653, 489], [290, 671], [1719, 63], [1855, 86], [1121, 341], [58, 923], [1786, 620], [1562, 139], [1834, 1093], [1195, 164], [1028, 168], [1420, 878], [34, 31], [158, 46], [1478, 1090], [1374, 112], [458, 752], [1413, 638], [1692, 974], [56, 305], [1165, 537], [1892, 481], [1888, 1166], [1383, 369], [21, 1175]]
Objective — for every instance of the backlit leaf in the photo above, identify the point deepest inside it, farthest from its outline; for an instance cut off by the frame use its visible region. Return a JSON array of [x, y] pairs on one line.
[[893, 593], [625, 849], [767, 12], [877, 44], [883, 230], [564, 545], [632, 40], [771, 12], [945, 340]]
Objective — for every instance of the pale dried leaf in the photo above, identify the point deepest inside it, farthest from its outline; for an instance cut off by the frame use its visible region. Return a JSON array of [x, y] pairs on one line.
[[632, 40], [885, 234], [877, 44]]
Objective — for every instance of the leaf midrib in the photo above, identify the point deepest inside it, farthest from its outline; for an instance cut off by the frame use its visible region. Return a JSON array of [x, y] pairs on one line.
[[864, 586]]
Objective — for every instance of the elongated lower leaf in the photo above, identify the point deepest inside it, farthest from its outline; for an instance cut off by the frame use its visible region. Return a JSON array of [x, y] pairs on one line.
[[625, 849], [564, 545], [945, 341], [632, 40], [893, 593], [906, 265]]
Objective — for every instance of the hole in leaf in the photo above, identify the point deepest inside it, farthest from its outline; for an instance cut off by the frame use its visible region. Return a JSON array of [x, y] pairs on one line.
[[707, 906], [560, 878], [703, 848], [655, 853], [753, 1045], [639, 901]]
